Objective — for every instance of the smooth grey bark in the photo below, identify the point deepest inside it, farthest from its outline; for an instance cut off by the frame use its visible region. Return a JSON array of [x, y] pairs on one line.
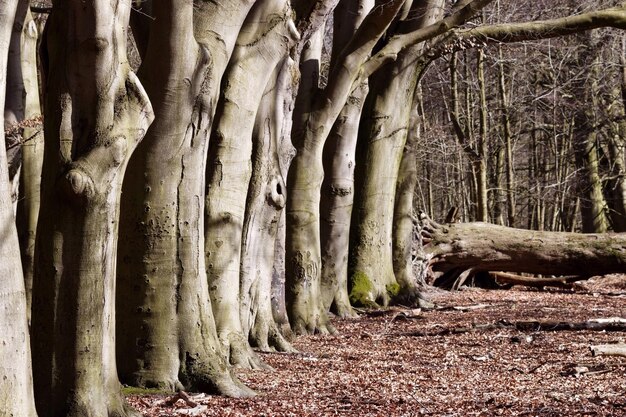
[[339, 161], [264, 40], [286, 152], [96, 113], [16, 387], [385, 127], [32, 156], [264, 206], [167, 334], [313, 119]]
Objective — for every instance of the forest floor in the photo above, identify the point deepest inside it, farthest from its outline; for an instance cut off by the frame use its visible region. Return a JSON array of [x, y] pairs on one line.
[[401, 362]]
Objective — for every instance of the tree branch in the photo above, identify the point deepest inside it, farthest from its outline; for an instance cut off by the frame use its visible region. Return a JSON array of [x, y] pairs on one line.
[[400, 42], [459, 39], [516, 32]]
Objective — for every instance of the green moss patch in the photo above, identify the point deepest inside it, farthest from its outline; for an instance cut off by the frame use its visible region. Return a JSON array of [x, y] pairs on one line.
[[362, 289]]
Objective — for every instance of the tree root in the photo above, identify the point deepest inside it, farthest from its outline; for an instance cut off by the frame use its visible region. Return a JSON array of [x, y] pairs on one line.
[[268, 338], [241, 354]]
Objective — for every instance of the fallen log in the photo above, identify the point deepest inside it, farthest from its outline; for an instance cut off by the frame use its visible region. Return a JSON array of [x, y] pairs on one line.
[[462, 250], [514, 279], [618, 349], [607, 325]]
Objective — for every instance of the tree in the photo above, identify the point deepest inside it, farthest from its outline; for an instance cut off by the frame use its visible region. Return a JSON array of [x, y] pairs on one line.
[[262, 45], [16, 389], [32, 154], [96, 113], [163, 343]]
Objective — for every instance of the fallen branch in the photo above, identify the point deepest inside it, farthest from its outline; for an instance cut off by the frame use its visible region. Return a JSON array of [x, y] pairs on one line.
[[180, 395], [514, 279], [608, 325], [618, 349]]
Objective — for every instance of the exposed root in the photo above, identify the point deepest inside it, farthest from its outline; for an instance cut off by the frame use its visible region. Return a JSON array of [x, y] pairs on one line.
[[240, 353], [343, 310]]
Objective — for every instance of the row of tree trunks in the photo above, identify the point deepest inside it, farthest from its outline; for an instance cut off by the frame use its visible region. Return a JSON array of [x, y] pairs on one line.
[[339, 163], [199, 237], [468, 248], [385, 127], [314, 117]]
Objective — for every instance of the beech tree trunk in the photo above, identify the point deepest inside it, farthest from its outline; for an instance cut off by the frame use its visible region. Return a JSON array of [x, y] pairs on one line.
[[16, 387], [385, 127], [263, 42], [32, 156], [96, 114], [404, 218], [167, 331], [266, 199], [14, 101], [469, 248], [339, 162]]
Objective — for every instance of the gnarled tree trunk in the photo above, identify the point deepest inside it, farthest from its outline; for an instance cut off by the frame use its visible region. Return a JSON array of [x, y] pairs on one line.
[[32, 156], [167, 331], [385, 127], [263, 42], [96, 114], [266, 199]]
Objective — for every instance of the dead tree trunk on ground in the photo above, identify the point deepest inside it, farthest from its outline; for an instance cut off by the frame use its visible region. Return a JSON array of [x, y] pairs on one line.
[[464, 249]]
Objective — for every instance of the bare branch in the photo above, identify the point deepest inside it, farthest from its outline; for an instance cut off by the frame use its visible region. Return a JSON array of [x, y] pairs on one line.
[[400, 42], [516, 32]]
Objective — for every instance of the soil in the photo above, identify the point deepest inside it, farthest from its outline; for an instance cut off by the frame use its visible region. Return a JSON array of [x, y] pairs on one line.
[[390, 363]]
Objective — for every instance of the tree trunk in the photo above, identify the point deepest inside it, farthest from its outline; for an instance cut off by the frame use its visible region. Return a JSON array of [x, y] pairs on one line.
[[475, 247], [167, 330], [339, 159], [14, 102], [481, 147], [403, 217], [508, 144], [32, 157], [616, 187], [385, 127], [96, 113], [16, 388], [589, 185], [263, 42], [266, 199]]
